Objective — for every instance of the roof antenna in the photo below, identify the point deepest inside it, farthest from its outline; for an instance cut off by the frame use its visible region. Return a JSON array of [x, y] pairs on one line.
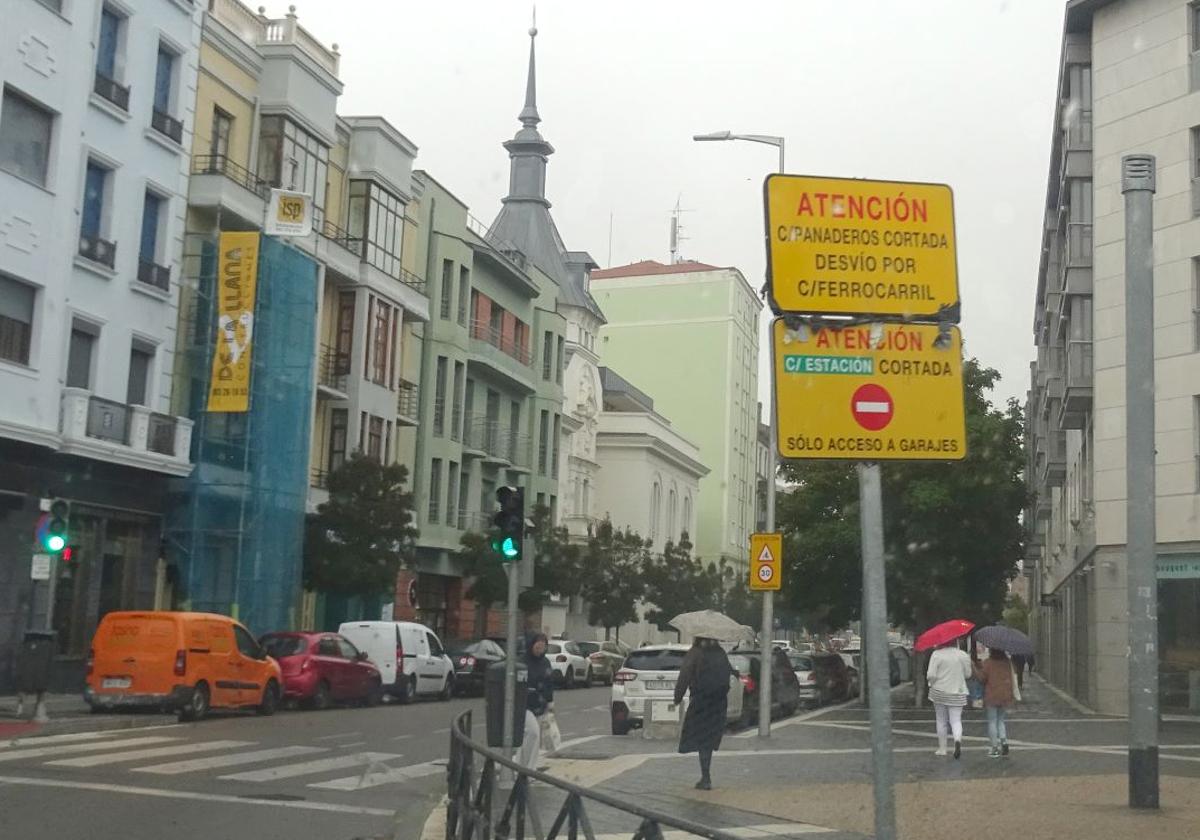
[[676, 236]]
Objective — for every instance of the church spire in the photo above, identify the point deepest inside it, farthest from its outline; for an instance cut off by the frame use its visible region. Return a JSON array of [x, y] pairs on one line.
[[528, 150], [529, 115]]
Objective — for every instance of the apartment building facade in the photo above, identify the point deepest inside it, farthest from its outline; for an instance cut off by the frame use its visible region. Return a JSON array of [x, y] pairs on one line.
[[335, 359], [95, 119], [687, 334], [1129, 81]]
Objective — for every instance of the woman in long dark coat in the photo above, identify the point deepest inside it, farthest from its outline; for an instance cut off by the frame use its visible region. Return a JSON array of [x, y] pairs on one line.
[[705, 673]]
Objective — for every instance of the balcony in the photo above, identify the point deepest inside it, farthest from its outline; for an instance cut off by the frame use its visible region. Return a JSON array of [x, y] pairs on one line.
[[473, 438], [133, 435], [111, 91], [153, 274], [501, 246], [496, 442], [166, 125], [1077, 268], [219, 182], [1052, 469], [333, 371], [502, 353], [1077, 396], [407, 405], [98, 250], [1077, 141]]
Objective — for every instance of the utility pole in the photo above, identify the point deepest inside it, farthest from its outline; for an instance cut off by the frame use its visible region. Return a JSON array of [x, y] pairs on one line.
[[1138, 186]]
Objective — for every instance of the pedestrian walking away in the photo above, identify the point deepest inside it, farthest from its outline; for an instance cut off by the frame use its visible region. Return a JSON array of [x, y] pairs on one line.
[[948, 672], [1018, 664], [998, 678], [539, 698], [704, 676]]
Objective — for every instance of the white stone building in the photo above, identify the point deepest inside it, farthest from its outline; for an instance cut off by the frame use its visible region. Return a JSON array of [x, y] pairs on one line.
[[95, 121]]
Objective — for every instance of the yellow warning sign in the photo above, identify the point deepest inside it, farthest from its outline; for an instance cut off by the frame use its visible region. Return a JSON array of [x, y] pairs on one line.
[[850, 246], [766, 556], [877, 392]]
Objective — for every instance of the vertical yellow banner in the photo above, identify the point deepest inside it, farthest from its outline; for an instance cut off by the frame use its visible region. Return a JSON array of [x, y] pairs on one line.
[[237, 278]]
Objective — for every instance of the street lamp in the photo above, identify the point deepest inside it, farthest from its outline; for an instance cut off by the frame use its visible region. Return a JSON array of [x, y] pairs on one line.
[[768, 139], [768, 631]]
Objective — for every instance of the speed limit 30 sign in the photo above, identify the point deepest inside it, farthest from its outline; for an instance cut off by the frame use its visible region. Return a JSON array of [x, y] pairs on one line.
[[766, 554]]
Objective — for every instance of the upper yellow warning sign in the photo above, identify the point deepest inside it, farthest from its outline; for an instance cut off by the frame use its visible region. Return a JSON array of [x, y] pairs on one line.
[[847, 246]]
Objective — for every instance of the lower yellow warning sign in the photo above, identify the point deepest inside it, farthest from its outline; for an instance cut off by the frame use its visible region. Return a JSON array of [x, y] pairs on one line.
[[766, 556], [871, 392]]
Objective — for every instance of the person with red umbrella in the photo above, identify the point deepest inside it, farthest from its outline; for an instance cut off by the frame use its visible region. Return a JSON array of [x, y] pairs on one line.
[[947, 675]]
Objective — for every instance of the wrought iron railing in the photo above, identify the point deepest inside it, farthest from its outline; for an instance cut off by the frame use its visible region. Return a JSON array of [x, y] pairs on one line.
[[413, 280], [108, 420], [319, 479], [334, 368], [98, 250], [484, 331], [406, 399], [341, 236], [166, 125], [153, 274], [111, 90], [475, 812], [502, 246], [160, 437], [231, 169]]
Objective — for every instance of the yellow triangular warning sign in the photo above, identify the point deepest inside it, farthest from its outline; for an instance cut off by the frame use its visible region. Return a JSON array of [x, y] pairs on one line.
[[764, 556]]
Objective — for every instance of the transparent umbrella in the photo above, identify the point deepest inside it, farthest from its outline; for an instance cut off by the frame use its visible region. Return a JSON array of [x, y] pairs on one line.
[[710, 624]]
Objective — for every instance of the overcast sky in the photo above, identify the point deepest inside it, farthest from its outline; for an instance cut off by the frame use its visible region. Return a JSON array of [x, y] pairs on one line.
[[953, 91]]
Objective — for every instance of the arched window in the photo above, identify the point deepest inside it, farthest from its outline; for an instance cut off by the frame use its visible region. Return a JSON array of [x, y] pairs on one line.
[[655, 509], [686, 526], [671, 532], [586, 509]]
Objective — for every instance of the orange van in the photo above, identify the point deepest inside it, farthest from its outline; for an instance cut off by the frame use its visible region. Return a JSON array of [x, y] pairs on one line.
[[179, 661]]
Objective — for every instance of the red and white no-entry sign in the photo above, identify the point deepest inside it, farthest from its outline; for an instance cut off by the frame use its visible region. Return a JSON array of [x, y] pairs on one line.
[[872, 407]]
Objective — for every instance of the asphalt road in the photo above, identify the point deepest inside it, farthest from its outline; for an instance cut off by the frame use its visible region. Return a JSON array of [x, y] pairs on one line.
[[335, 775]]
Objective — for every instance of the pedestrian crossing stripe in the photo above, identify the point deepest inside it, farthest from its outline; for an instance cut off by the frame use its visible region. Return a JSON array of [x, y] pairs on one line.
[[91, 746], [746, 832], [214, 762], [153, 752], [308, 768]]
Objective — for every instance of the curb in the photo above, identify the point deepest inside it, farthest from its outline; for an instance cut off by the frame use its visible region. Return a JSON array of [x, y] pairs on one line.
[[76, 725], [435, 823]]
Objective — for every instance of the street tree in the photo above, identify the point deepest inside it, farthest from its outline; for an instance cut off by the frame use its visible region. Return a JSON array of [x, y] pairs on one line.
[[1016, 613], [556, 561], [676, 582], [611, 574], [361, 537]]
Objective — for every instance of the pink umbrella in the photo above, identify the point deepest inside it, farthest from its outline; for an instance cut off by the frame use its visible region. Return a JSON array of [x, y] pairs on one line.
[[947, 631]]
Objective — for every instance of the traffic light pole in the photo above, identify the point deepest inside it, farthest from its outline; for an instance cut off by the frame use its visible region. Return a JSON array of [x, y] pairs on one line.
[[510, 661]]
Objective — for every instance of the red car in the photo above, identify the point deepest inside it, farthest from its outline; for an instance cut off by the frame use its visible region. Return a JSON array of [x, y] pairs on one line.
[[320, 669]]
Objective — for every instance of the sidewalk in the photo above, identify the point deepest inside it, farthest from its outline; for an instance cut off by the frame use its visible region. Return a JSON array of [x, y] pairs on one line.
[[1065, 778], [68, 714]]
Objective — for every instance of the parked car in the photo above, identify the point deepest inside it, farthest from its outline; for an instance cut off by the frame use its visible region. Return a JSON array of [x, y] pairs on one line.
[[179, 661], [785, 688], [806, 675], [893, 666], [410, 658], [783, 645], [606, 658], [320, 669], [649, 674], [571, 667], [471, 660], [833, 678]]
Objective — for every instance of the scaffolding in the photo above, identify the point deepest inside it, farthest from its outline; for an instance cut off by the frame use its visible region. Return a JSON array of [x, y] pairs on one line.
[[236, 527]]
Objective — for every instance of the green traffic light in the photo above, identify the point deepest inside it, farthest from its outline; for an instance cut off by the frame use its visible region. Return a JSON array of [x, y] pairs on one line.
[[55, 542], [509, 548]]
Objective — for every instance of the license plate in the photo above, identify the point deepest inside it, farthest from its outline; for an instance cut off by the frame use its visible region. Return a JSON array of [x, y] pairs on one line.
[[115, 682], [659, 685]]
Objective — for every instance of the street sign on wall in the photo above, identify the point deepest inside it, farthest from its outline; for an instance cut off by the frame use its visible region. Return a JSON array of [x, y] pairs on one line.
[[766, 556], [875, 392], [848, 246]]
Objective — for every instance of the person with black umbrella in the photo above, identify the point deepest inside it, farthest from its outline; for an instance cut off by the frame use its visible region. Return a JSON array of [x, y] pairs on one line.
[[705, 674]]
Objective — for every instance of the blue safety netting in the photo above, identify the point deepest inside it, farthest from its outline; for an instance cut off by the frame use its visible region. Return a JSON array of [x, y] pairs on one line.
[[236, 530]]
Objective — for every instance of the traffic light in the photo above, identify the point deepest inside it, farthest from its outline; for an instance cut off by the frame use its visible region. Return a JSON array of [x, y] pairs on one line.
[[509, 522], [52, 534]]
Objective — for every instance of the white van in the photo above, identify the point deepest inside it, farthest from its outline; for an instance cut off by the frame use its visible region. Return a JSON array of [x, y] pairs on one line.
[[409, 657]]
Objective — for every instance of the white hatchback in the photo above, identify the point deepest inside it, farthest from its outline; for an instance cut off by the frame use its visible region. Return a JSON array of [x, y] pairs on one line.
[[571, 667], [650, 674]]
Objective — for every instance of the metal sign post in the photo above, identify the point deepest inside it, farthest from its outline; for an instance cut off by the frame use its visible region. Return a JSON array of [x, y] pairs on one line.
[[1137, 183], [766, 554], [510, 661], [875, 648]]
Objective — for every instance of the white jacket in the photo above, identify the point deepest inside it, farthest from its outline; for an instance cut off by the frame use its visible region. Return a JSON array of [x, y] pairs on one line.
[[948, 672]]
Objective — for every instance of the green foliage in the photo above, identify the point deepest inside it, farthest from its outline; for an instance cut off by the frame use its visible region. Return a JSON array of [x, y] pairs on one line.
[[361, 537], [1016, 613], [611, 568], [556, 561], [676, 582], [952, 531]]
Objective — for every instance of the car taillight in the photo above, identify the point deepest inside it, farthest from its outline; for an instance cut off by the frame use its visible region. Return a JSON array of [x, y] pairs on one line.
[[748, 682], [467, 661], [399, 655], [812, 677], [91, 661], [625, 676], [562, 657], [180, 663], [596, 657]]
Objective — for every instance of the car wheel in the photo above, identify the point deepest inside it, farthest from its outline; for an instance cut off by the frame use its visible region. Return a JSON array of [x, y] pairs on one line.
[[322, 698], [408, 689], [374, 694], [569, 678], [197, 706], [591, 677], [447, 689], [270, 699]]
